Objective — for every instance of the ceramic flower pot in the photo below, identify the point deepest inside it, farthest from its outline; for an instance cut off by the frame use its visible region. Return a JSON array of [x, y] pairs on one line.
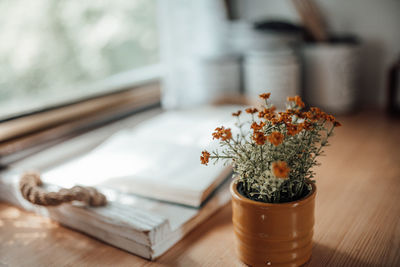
[[269, 234]]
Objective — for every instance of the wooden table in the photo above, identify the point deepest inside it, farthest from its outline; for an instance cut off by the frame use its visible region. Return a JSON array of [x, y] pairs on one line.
[[357, 215]]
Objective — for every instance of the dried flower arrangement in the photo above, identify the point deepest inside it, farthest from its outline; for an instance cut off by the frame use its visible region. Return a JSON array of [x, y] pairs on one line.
[[273, 158]]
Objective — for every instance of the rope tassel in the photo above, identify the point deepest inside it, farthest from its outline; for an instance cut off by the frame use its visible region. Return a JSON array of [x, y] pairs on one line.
[[30, 187]]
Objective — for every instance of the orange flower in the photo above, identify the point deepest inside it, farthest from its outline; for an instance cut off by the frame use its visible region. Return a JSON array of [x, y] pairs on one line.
[[276, 138], [251, 110], [205, 157], [259, 138], [306, 125], [315, 110], [284, 117], [265, 96], [280, 169], [330, 118], [293, 129], [299, 102], [257, 127], [227, 135], [237, 114], [217, 134], [222, 133], [267, 113], [316, 114], [275, 121]]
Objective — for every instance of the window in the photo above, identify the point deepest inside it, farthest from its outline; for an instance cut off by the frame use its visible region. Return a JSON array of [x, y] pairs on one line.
[[53, 51]]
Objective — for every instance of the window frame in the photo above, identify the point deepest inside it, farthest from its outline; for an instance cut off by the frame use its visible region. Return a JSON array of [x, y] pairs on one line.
[[29, 134], [111, 85]]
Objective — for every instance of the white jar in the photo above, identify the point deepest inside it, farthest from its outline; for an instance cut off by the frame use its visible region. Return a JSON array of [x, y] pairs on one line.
[[331, 76], [211, 78], [275, 71]]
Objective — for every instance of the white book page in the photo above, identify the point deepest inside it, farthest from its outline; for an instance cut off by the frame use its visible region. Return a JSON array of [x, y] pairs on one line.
[[162, 153]]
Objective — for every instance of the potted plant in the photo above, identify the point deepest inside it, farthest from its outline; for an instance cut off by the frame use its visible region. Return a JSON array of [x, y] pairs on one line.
[[273, 195]]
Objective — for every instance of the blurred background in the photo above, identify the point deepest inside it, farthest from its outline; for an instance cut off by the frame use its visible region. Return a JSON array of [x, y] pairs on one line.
[[335, 53], [66, 66]]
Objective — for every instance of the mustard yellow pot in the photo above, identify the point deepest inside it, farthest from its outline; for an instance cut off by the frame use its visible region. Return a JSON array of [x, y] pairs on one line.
[[273, 234]]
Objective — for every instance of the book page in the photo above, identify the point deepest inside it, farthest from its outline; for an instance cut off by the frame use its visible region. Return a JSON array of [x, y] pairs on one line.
[[159, 155]]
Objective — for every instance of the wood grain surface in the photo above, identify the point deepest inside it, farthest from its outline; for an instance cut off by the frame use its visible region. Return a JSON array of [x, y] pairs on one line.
[[357, 215]]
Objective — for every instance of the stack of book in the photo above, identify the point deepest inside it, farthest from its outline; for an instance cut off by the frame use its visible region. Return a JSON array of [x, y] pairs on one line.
[[151, 174]]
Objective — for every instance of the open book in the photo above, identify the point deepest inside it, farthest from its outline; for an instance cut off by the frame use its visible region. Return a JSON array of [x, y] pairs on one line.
[[159, 158]]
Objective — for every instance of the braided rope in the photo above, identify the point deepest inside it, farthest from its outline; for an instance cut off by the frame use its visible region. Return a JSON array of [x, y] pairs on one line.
[[30, 183]]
